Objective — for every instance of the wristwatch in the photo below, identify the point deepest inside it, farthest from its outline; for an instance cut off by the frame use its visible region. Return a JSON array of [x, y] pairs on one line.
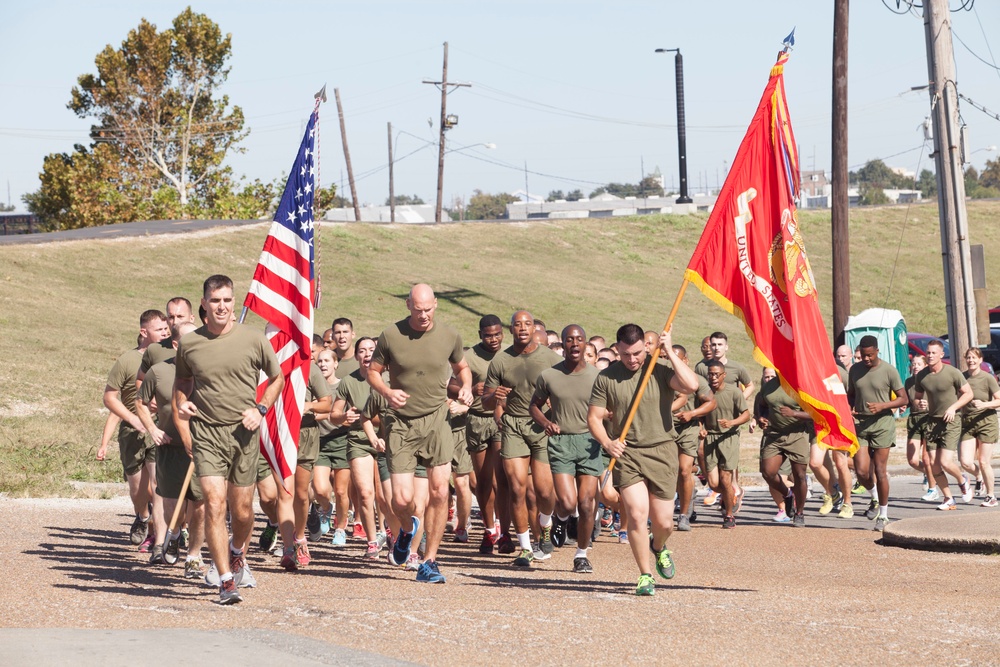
[[261, 409]]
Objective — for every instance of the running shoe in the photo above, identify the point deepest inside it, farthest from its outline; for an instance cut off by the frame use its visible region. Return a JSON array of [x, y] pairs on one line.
[[461, 535], [607, 518], [703, 491], [858, 489], [809, 487], [979, 487], [236, 565], [185, 538], [571, 526], [229, 593], [312, 523], [194, 568], [268, 538], [486, 546], [739, 501], [381, 539], [790, 504], [729, 521], [932, 496], [429, 573], [505, 545], [925, 484], [846, 511], [324, 521], [288, 559], [247, 580], [948, 505], [137, 533], [710, 499], [172, 551], [156, 555], [147, 543], [596, 532], [881, 523], [339, 538], [558, 532], [412, 563], [646, 585], [582, 565], [990, 501], [781, 517], [359, 532], [683, 523], [967, 492], [545, 543], [525, 558], [302, 555], [872, 510], [540, 553], [665, 564], [371, 553], [401, 549], [212, 576], [799, 521], [422, 547], [838, 502], [622, 536]]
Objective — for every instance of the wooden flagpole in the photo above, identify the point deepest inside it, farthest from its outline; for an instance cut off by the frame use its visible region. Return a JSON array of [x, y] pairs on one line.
[[645, 380]]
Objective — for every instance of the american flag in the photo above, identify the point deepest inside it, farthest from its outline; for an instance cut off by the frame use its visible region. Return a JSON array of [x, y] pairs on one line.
[[282, 294]]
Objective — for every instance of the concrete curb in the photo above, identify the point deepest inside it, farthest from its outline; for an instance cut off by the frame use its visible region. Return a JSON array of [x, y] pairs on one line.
[[974, 533]]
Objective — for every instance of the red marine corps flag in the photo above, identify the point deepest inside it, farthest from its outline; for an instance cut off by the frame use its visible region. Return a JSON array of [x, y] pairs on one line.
[[751, 260], [282, 294]]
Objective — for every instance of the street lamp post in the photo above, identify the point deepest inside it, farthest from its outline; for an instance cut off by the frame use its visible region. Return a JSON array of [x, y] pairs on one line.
[[681, 131]]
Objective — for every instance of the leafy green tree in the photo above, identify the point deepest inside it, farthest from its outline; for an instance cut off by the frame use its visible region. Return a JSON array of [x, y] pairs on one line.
[[5, 208], [927, 184], [555, 195], [575, 195], [990, 178], [650, 187], [484, 206], [871, 195], [326, 198], [406, 200]]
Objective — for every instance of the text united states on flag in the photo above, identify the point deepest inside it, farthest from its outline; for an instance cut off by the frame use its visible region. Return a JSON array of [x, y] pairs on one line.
[[282, 293]]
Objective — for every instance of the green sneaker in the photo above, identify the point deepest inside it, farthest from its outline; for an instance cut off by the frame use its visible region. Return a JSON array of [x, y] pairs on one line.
[[525, 558], [545, 543], [665, 564], [646, 585]]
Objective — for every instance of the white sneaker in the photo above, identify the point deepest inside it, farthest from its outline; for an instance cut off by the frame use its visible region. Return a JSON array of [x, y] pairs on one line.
[[969, 491], [212, 576], [932, 495], [248, 580], [948, 505]]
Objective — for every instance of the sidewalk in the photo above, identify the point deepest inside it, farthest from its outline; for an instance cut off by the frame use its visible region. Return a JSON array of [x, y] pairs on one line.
[[972, 533]]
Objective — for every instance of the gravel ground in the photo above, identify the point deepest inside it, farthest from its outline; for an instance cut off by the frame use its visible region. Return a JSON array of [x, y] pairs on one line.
[[760, 594]]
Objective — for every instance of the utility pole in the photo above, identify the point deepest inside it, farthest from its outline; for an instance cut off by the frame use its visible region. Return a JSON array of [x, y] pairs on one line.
[[681, 128], [347, 156], [392, 194], [839, 203], [960, 302], [443, 83]]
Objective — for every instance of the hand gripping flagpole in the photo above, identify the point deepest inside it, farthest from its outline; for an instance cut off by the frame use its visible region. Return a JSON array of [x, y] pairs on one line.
[[641, 389]]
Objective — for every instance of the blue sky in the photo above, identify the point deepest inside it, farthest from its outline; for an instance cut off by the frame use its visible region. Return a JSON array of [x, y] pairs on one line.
[[573, 90]]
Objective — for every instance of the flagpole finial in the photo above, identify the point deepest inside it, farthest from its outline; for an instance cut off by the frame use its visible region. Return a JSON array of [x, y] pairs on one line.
[[789, 41], [321, 95]]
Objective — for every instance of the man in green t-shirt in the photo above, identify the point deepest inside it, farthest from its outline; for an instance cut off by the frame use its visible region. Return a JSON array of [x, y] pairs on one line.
[[722, 440], [947, 392], [870, 389], [689, 409], [178, 312], [217, 417], [483, 440], [645, 473], [137, 453], [574, 454], [510, 381], [342, 337], [421, 356], [787, 432], [172, 463]]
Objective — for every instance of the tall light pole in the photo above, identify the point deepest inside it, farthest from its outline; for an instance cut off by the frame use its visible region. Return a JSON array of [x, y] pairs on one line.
[[681, 131]]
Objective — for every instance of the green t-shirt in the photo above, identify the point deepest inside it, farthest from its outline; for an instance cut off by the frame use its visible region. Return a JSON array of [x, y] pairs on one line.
[[729, 404], [911, 392], [346, 366], [873, 385], [940, 389], [376, 406], [156, 353], [159, 384], [317, 389], [736, 373], [983, 386], [226, 370], [419, 363], [693, 401], [519, 372], [614, 390], [479, 358], [774, 397], [122, 377], [569, 394], [355, 390]]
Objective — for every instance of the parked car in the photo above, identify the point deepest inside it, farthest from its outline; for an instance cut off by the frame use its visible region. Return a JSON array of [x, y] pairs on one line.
[[917, 343], [991, 351]]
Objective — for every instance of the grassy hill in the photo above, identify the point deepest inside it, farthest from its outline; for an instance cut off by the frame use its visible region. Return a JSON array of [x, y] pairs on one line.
[[67, 310]]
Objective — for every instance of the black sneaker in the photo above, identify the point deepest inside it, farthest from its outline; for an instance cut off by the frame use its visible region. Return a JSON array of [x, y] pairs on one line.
[[558, 531], [137, 533], [268, 538], [545, 543], [156, 555], [172, 550], [729, 521], [799, 521], [312, 522], [525, 558], [872, 511], [790, 504], [571, 526], [582, 566]]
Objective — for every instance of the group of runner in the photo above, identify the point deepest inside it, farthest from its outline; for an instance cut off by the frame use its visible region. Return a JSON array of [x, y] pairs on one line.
[[394, 427]]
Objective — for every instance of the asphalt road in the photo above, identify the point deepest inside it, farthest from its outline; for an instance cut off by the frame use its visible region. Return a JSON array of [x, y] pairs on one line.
[[760, 594], [143, 228]]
